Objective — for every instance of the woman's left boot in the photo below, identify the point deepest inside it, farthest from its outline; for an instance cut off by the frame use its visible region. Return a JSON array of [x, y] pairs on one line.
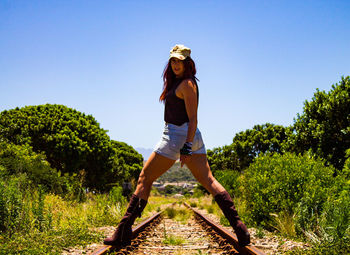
[[223, 199], [123, 234]]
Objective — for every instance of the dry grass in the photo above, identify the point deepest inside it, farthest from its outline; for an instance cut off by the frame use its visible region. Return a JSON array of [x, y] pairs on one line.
[[178, 213], [283, 222]]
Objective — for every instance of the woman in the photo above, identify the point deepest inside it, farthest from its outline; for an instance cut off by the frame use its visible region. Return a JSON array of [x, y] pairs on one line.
[[181, 139]]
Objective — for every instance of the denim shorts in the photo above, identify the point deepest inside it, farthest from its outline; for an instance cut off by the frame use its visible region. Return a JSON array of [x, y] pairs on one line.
[[173, 139]]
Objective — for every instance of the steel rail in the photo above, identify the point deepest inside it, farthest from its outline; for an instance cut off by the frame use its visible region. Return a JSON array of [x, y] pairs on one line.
[[219, 230], [135, 231], [230, 237]]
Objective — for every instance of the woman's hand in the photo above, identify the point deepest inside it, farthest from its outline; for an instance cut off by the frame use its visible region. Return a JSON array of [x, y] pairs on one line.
[[185, 152]]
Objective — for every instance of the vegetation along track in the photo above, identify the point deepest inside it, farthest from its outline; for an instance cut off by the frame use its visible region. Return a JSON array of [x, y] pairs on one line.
[[161, 234]]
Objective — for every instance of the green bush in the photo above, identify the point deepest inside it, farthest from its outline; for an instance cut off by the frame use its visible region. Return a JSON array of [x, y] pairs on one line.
[[223, 158], [21, 210], [346, 169], [126, 162], [72, 142], [324, 125], [16, 160], [115, 195], [317, 204], [172, 189], [193, 204], [21, 159], [335, 218], [224, 221], [230, 181], [247, 145], [11, 204], [283, 183]]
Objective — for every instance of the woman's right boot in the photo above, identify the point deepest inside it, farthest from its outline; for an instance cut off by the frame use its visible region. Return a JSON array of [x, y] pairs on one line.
[[123, 234], [223, 199]]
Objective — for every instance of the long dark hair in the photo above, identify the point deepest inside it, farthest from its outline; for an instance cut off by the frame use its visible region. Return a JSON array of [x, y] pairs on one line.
[[169, 77]]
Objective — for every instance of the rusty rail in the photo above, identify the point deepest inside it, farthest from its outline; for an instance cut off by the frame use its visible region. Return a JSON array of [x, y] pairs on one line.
[[135, 231], [230, 237], [221, 235]]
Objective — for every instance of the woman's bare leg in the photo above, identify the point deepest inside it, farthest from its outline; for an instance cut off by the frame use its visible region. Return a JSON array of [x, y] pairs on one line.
[[199, 166], [155, 166]]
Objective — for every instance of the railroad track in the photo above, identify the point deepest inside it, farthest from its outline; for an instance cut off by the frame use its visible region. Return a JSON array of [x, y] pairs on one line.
[[219, 233], [138, 233], [223, 241]]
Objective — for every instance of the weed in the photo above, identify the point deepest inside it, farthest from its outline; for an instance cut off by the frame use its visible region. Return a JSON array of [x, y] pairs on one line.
[[210, 209], [181, 215], [260, 233], [171, 212], [224, 221], [173, 240], [284, 223]]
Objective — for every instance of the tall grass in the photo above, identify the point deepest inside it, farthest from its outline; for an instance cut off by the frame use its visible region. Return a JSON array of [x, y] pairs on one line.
[[35, 222], [179, 214], [283, 222]]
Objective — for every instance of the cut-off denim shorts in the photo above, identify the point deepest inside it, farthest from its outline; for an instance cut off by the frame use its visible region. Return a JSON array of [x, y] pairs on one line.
[[173, 139]]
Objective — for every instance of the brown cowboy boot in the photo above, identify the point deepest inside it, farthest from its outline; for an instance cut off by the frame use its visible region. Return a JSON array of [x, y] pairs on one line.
[[225, 202], [123, 234]]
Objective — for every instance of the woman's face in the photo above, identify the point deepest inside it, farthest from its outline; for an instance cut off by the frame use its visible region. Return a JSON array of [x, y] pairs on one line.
[[178, 66]]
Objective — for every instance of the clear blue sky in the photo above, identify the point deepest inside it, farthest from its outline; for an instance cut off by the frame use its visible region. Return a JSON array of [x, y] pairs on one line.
[[257, 61]]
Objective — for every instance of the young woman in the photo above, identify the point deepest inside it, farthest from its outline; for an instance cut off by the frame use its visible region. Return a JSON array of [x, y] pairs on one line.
[[181, 140]]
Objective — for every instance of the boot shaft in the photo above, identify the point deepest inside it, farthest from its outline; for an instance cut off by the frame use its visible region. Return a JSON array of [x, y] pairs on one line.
[[123, 233], [135, 208], [223, 199]]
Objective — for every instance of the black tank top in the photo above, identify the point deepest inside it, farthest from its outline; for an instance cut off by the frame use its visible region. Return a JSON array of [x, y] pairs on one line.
[[175, 109]]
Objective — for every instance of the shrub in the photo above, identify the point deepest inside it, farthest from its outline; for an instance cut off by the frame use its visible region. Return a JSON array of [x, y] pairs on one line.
[[222, 158], [172, 189], [247, 145], [314, 202], [282, 183], [11, 204], [224, 221], [20, 159], [335, 218], [230, 180], [171, 212], [324, 125], [21, 210], [193, 204], [210, 209], [72, 142], [115, 195], [346, 169], [199, 191]]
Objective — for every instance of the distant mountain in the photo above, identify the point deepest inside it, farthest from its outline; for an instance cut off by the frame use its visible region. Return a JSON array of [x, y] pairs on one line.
[[144, 152]]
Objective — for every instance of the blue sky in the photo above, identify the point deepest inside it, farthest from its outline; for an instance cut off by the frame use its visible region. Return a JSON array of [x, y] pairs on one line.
[[257, 61]]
